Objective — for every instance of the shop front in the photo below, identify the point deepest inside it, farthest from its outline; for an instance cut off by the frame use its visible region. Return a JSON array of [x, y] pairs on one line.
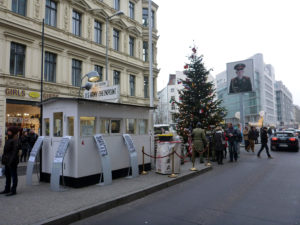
[[21, 108], [22, 114]]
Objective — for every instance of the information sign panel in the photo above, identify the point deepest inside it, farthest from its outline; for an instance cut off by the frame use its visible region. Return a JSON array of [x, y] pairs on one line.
[[30, 164], [58, 161], [105, 160], [132, 155]]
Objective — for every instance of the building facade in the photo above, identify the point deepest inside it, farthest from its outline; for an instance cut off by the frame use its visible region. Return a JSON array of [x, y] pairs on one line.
[[75, 44], [261, 99], [297, 116], [166, 108], [285, 107]]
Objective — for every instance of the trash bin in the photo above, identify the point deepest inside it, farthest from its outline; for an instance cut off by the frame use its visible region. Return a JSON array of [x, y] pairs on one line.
[[164, 165]]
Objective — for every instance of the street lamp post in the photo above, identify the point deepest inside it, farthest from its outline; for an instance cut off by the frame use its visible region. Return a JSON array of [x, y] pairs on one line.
[[106, 39]]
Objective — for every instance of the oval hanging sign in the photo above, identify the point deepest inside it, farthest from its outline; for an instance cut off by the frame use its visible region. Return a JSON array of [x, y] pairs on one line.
[[34, 94]]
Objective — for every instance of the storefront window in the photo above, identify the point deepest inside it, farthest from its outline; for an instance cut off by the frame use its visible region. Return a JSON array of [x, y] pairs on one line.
[[71, 125], [47, 126], [115, 126], [104, 129], [87, 126], [130, 126], [143, 124]]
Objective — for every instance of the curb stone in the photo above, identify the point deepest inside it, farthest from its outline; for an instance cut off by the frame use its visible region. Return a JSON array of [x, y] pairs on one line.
[[99, 208]]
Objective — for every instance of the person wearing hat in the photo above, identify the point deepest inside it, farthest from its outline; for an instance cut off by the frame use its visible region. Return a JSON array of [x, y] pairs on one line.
[[240, 83], [10, 160], [199, 142], [219, 141], [264, 142]]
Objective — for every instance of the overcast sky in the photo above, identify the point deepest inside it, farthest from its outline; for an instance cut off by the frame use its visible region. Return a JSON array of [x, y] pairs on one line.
[[230, 30]]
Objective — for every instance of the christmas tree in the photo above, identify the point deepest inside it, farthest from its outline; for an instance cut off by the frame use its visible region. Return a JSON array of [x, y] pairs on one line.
[[197, 100]]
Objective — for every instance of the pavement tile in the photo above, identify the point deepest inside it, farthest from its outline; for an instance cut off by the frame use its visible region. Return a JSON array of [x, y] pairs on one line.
[[37, 204]]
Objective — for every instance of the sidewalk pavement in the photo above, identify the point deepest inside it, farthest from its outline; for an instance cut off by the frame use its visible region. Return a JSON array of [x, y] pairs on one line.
[[37, 204]]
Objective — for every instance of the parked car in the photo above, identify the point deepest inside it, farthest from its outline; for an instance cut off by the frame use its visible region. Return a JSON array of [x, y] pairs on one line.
[[285, 140]]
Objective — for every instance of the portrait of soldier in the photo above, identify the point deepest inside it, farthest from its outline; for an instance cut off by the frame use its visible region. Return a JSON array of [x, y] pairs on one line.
[[240, 83]]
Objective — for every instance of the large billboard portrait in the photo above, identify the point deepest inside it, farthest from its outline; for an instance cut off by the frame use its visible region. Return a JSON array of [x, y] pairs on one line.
[[240, 76]]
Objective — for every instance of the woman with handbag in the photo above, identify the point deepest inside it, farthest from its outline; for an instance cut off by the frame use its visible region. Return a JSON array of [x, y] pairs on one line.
[[10, 160]]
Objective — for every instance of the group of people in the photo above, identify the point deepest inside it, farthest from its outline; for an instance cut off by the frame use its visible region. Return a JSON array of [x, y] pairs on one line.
[[219, 140], [16, 140]]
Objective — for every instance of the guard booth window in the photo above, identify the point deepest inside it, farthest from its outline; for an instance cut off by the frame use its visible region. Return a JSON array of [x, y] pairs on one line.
[[104, 126], [143, 126], [87, 126], [115, 126], [110, 126], [130, 126], [58, 124]]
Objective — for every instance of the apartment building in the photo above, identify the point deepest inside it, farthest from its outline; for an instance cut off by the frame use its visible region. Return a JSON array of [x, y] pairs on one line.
[[74, 44]]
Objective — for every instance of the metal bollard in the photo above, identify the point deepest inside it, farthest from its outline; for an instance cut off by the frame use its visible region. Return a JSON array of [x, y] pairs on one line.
[[143, 172], [208, 163], [173, 175]]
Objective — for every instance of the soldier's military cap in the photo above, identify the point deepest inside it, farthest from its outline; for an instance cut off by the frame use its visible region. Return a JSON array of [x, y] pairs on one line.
[[239, 66]]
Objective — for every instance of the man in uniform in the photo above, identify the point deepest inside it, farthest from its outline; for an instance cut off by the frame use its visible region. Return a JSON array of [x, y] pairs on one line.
[[199, 142], [240, 83]]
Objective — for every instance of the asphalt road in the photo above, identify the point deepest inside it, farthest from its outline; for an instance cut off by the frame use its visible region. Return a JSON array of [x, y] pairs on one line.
[[252, 191]]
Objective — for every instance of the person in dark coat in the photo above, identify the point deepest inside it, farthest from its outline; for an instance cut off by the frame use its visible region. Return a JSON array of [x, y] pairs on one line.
[[10, 160], [232, 138], [32, 139], [219, 141], [24, 144], [264, 142]]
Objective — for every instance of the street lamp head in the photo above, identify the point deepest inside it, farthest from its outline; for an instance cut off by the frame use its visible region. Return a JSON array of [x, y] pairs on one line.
[[93, 76], [88, 86]]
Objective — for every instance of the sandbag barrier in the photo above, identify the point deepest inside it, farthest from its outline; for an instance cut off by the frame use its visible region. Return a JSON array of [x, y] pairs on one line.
[[173, 175]]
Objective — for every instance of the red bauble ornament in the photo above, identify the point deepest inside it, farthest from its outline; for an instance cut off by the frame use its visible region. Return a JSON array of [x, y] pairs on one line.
[[186, 66]]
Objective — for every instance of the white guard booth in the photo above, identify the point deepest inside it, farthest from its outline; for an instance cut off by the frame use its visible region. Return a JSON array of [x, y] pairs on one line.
[[81, 119]]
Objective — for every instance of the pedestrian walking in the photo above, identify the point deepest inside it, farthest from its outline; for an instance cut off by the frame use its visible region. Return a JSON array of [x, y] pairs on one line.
[[199, 142], [246, 139], [251, 137], [232, 135], [24, 144], [219, 141], [10, 160], [264, 142]]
